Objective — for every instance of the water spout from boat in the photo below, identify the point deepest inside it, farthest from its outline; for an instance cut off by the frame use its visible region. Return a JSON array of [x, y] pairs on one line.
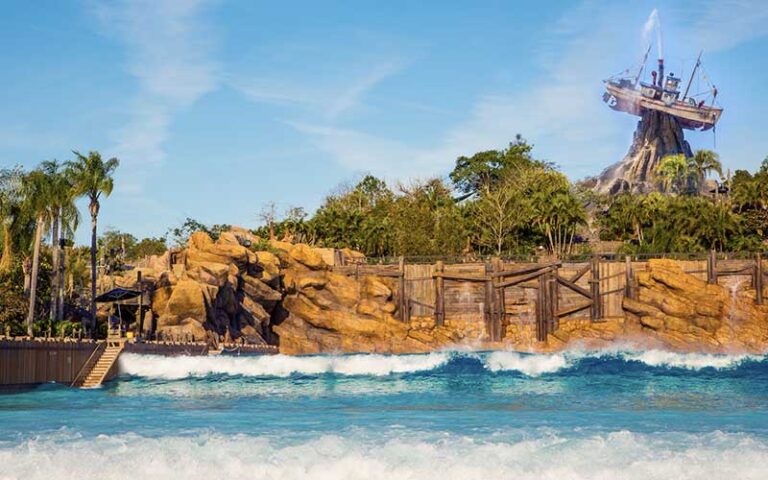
[[653, 24]]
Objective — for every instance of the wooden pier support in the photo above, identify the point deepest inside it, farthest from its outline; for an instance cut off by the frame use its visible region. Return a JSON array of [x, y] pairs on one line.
[[439, 294], [629, 278], [403, 309], [552, 307], [546, 312], [759, 279], [140, 311], [488, 301], [596, 312], [497, 300], [712, 268], [541, 317]]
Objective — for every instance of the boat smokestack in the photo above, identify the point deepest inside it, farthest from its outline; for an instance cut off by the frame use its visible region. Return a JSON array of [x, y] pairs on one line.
[[661, 72]]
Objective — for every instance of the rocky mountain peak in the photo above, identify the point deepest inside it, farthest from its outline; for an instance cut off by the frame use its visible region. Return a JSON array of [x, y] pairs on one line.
[[657, 135]]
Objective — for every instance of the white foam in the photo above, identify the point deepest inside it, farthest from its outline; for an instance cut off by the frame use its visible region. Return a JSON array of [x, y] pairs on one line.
[[532, 365], [153, 366], [618, 455], [689, 361]]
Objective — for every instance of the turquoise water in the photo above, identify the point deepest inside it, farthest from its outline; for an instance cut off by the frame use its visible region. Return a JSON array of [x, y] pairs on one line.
[[447, 415]]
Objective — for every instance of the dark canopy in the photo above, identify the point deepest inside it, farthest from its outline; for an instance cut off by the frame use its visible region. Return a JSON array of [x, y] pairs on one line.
[[117, 294]]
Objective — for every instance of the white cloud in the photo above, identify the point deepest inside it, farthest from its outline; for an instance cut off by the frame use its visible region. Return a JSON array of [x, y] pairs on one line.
[[168, 49]]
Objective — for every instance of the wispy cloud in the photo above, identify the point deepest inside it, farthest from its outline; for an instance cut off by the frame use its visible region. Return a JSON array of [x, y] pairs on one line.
[[561, 113], [325, 99], [168, 49], [552, 112], [724, 24]]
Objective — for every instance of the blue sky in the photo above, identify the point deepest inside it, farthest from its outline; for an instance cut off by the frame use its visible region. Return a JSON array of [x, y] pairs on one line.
[[216, 108]]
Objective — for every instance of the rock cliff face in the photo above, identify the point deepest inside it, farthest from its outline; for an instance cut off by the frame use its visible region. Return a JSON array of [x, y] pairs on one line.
[[286, 294], [279, 293], [657, 135], [686, 313]]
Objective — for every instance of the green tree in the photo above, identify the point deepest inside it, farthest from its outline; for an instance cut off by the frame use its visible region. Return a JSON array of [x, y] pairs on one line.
[[702, 164], [38, 194], [556, 210], [63, 218], [426, 221], [498, 212], [485, 169], [92, 177], [12, 215], [673, 171], [358, 217], [147, 247]]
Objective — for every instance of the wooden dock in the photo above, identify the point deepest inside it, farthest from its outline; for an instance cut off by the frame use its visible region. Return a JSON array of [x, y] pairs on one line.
[[86, 363]]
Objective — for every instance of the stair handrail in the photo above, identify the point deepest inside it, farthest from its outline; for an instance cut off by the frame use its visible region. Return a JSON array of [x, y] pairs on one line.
[[119, 347], [87, 362]]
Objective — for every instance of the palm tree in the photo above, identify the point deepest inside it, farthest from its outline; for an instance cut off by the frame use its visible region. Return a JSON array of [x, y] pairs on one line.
[[63, 218], [702, 164], [91, 177], [673, 172], [11, 196], [37, 192]]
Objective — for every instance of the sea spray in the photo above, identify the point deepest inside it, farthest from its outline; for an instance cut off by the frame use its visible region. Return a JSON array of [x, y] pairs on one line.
[[444, 362], [532, 365], [278, 365], [354, 455]]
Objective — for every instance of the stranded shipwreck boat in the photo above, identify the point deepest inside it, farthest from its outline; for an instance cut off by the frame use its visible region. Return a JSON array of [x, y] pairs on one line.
[[630, 95]]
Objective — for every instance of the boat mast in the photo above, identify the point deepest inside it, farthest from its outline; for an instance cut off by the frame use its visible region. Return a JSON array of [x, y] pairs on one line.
[[693, 72], [642, 65]]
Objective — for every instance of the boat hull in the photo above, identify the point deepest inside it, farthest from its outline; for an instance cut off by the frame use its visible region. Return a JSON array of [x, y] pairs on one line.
[[690, 117]]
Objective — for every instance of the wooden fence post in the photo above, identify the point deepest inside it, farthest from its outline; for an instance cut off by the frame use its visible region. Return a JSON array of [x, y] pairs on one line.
[[489, 300], [498, 301], [140, 322], [759, 279], [553, 301], [542, 305], [628, 278], [712, 268], [439, 294], [402, 294], [597, 300]]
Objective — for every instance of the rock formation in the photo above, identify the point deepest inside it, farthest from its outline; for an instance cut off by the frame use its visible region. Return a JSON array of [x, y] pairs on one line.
[[286, 294], [279, 293], [657, 135], [686, 313]]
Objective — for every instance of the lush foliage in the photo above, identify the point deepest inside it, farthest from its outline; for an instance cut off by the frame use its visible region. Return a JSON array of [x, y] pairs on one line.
[[498, 202]]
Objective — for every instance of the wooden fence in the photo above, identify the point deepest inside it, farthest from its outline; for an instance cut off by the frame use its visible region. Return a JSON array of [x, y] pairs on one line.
[[499, 293], [29, 362]]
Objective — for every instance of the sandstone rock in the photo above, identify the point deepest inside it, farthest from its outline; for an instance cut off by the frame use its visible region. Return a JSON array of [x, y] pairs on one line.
[[270, 266], [210, 273], [202, 249], [186, 301], [307, 256], [260, 292], [684, 312]]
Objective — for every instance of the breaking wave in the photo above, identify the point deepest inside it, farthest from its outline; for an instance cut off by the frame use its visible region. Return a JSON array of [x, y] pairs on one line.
[[621, 454], [376, 365], [278, 365]]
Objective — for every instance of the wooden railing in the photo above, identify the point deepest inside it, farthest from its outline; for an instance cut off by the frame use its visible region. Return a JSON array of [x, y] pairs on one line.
[[425, 286]]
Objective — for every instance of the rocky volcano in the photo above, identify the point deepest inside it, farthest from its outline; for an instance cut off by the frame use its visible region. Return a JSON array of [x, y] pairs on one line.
[[657, 135]]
